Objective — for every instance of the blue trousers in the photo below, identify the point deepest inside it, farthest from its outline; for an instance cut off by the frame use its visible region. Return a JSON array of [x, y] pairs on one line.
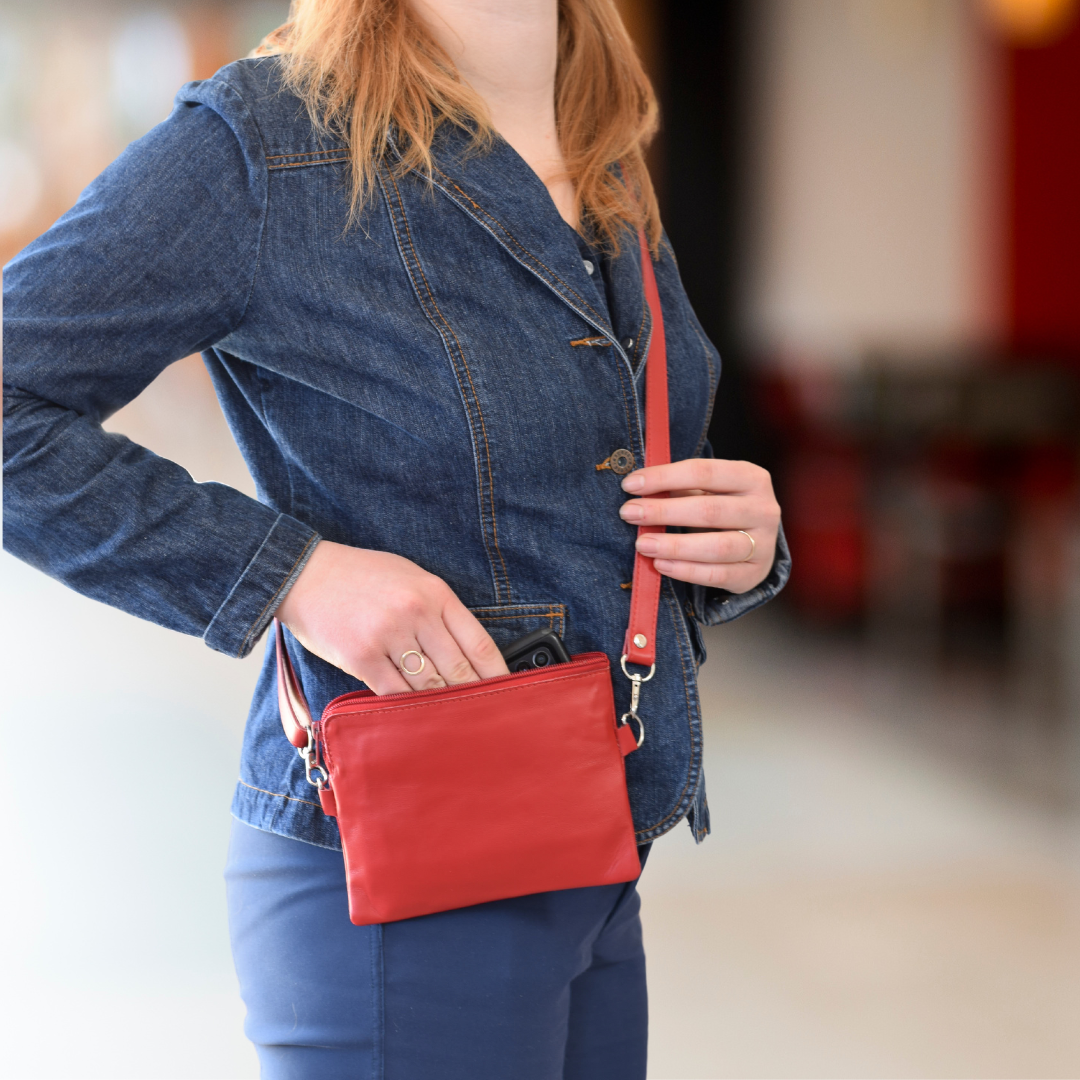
[[543, 987]]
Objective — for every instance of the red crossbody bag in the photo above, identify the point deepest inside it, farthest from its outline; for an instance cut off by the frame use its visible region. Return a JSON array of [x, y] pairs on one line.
[[491, 789]]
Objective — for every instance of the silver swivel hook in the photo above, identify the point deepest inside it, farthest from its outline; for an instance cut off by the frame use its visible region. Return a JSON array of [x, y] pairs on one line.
[[636, 681], [314, 771]]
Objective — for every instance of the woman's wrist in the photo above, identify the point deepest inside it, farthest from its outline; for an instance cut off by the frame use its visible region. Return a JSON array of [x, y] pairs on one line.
[[290, 609]]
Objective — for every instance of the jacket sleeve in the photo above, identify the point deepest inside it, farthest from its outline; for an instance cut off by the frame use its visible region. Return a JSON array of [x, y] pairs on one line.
[[154, 262], [712, 606]]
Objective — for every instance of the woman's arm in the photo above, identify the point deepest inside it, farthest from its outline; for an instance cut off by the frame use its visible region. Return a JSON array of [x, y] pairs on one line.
[[157, 261], [154, 262]]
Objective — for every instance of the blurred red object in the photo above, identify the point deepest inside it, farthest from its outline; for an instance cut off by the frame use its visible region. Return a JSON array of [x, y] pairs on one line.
[[1044, 196], [824, 491], [926, 500]]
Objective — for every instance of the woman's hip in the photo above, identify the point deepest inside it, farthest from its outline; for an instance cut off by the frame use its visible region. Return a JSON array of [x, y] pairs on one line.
[[542, 987]]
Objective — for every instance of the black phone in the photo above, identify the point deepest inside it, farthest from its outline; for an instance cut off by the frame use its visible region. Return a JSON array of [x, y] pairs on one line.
[[539, 649]]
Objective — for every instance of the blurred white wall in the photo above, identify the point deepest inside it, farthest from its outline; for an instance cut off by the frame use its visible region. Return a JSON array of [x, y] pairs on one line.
[[874, 138]]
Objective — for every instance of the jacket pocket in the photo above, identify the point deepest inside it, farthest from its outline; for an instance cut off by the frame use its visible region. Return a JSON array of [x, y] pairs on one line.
[[508, 622]]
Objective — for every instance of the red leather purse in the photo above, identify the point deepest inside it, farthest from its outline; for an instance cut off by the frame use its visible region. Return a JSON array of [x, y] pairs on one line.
[[487, 790]]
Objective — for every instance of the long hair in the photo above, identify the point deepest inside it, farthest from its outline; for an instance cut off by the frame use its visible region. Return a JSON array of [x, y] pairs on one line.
[[366, 67]]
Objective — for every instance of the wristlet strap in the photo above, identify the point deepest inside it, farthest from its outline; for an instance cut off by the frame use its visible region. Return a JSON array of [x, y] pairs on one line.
[[645, 598]]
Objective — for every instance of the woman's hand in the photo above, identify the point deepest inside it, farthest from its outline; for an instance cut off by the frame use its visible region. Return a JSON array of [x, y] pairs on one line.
[[715, 499], [360, 610]]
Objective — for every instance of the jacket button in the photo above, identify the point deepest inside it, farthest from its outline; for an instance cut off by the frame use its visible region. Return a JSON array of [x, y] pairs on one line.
[[628, 343], [621, 462]]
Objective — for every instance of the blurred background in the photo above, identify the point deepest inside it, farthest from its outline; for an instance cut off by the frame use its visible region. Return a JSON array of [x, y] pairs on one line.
[[875, 207]]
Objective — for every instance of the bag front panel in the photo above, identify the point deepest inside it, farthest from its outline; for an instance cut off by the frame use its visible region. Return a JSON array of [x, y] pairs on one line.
[[475, 794]]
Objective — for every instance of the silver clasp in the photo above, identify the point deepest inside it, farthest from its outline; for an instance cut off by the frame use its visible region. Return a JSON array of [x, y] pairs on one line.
[[314, 771], [635, 697]]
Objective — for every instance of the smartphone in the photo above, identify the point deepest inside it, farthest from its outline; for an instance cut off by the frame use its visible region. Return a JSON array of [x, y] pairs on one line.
[[539, 649]]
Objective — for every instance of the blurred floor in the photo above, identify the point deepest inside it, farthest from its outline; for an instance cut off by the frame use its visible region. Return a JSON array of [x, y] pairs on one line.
[[882, 895], [892, 887]]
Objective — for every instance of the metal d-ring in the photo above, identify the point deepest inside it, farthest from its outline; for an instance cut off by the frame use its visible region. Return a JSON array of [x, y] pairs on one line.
[[639, 678], [626, 717]]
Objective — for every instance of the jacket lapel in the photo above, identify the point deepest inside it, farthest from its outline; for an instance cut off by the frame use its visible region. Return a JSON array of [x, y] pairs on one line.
[[499, 192]]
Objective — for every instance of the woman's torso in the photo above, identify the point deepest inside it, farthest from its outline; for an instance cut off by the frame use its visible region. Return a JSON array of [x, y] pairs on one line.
[[446, 381]]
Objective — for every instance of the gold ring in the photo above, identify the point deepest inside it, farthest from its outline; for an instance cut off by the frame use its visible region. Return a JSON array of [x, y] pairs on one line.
[[413, 652], [753, 545]]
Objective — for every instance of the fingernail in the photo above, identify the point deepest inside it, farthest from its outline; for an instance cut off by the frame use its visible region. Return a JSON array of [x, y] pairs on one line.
[[631, 511], [634, 482], [647, 545]]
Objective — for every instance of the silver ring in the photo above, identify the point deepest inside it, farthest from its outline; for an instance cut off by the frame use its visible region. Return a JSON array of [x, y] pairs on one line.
[[753, 545], [413, 652]]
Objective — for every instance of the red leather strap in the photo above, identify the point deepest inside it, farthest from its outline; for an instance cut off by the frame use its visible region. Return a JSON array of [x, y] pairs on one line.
[[293, 706], [645, 597]]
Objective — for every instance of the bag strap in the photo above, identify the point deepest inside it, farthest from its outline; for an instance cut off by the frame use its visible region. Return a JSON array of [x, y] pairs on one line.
[[640, 644], [293, 706]]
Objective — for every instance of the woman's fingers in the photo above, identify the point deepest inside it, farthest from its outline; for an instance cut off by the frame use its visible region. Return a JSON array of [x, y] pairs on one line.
[[735, 577], [437, 657], [445, 655], [416, 665], [704, 512], [714, 475], [476, 644], [363, 610], [383, 676], [705, 547], [729, 510]]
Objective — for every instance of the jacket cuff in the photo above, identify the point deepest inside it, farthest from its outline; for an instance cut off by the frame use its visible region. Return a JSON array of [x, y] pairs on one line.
[[714, 606], [251, 604]]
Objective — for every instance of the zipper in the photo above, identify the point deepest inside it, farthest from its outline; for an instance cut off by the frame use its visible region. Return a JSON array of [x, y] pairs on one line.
[[586, 660]]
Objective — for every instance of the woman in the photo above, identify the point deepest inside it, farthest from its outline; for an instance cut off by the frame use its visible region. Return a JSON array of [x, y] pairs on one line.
[[404, 238]]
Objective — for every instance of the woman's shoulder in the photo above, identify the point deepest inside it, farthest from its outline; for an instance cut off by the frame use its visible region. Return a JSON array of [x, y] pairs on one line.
[[252, 97]]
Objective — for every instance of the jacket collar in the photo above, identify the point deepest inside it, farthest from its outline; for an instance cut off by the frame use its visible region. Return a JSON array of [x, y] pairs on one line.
[[505, 197]]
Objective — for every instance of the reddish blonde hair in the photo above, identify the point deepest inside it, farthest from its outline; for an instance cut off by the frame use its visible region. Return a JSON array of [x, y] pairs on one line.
[[363, 67]]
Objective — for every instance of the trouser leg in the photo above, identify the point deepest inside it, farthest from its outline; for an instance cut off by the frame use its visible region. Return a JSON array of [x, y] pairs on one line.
[[534, 988], [309, 978], [608, 1030]]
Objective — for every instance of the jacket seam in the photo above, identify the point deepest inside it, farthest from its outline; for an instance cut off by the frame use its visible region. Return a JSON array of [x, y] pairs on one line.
[[276, 794], [468, 375], [265, 207], [641, 329], [310, 153], [516, 618], [306, 164], [632, 429], [524, 613]]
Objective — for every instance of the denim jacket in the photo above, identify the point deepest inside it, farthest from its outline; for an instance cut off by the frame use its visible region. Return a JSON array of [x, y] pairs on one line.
[[443, 380]]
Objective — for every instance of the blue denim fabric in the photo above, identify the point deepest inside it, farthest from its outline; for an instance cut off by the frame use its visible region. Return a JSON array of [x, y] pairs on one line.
[[439, 381], [543, 987]]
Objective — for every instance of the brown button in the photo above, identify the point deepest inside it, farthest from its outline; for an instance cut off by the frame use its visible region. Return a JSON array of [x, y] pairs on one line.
[[621, 462]]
